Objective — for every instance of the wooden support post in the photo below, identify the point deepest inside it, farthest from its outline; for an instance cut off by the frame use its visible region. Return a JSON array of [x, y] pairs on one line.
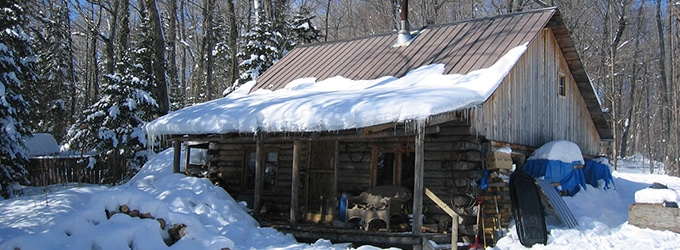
[[260, 155], [176, 156], [418, 182], [187, 157], [449, 211], [374, 165], [336, 170], [295, 184]]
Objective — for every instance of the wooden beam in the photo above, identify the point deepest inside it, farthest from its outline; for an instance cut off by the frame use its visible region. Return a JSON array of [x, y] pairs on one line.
[[444, 117], [259, 176], [378, 128], [418, 182], [176, 156], [295, 184], [344, 135], [402, 240], [449, 211]]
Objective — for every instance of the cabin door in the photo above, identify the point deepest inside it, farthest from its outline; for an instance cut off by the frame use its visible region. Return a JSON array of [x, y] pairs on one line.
[[321, 182]]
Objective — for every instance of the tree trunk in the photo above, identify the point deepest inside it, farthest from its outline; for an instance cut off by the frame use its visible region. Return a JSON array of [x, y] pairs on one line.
[[667, 113], [614, 88], [183, 37], [328, 11], [172, 49], [72, 70], [124, 29], [109, 41], [208, 45], [161, 88], [94, 65], [233, 41], [632, 97]]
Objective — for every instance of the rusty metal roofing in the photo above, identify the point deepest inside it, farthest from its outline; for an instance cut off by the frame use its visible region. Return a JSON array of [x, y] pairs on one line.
[[462, 47]]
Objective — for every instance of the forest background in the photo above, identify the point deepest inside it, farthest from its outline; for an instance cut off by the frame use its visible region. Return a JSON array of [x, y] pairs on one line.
[[92, 72]]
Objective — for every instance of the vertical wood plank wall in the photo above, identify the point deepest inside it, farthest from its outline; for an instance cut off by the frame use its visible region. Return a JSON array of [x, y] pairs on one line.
[[526, 108]]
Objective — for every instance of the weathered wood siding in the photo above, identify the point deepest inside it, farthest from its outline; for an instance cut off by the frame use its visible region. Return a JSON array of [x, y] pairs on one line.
[[526, 108]]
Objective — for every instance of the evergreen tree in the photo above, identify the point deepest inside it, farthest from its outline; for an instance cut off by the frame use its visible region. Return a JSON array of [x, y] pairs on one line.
[[113, 125], [56, 79], [263, 48], [16, 72], [302, 30]]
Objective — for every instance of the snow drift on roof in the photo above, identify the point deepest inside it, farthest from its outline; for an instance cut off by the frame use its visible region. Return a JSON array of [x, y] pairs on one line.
[[339, 103], [40, 144]]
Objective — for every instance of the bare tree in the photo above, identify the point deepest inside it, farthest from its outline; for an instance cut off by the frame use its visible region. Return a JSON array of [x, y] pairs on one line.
[[173, 78]]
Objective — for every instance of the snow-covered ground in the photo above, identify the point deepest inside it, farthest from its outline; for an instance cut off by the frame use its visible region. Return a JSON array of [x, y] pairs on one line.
[[75, 217]]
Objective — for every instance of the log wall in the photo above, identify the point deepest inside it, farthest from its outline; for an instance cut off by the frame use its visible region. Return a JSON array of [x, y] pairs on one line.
[[451, 154]]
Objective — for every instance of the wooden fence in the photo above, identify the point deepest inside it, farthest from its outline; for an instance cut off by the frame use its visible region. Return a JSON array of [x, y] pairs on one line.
[[48, 170]]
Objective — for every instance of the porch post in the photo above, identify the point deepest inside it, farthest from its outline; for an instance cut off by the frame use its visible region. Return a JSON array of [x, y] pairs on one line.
[[295, 184], [259, 174], [418, 190], [176, 156], [187, 156], [336, 170]]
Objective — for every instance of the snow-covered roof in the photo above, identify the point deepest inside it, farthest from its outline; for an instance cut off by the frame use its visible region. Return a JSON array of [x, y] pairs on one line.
[[41, 144], [364, 82], [338, 103]]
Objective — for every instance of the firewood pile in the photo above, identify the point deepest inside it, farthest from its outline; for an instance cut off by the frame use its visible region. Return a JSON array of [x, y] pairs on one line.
[[174, 232]]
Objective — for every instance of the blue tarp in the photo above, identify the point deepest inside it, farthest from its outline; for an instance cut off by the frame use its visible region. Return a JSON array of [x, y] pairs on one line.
[[570, 179], [595, 170]]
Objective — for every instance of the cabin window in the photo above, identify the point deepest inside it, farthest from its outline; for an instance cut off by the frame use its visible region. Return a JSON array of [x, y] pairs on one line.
[[270, 170], [562, 85], [389, 172]]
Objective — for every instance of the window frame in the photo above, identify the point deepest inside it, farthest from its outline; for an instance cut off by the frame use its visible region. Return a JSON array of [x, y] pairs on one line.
[[561, 84], [248, 176]]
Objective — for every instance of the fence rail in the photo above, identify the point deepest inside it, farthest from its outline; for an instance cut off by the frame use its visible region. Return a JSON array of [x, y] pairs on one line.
[[49, 170]]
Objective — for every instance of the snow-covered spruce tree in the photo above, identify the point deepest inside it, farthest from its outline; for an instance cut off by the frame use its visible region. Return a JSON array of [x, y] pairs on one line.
[[302, 30], [113, 125], [264, 46], [56, 76], [262, 50], [16, 72]]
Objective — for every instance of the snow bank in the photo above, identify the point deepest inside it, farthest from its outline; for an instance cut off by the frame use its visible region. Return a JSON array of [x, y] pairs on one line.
[[338, 103], [77, 218], [656, 196]]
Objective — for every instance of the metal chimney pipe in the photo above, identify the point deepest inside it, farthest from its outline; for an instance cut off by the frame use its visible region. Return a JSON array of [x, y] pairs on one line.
[[404, 35]]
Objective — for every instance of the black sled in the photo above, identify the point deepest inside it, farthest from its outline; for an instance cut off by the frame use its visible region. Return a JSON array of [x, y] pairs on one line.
[[527, 209]]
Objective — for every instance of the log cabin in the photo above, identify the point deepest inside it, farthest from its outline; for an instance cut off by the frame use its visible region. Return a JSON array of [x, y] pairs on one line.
[[509, 81]]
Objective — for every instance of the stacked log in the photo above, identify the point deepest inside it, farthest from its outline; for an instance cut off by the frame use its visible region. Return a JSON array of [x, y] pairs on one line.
[[174, 232]]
